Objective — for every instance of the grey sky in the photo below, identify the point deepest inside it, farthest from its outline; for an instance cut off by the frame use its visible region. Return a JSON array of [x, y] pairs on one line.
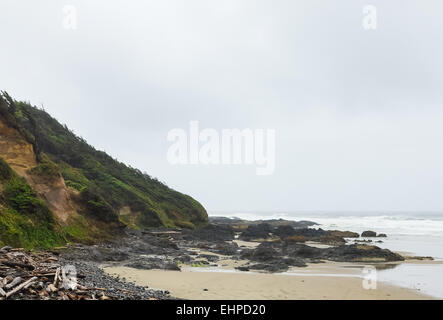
[[358, 114]]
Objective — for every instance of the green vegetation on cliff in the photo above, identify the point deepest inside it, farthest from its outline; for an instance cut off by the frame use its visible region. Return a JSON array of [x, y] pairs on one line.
[[107, 191], [25, 220]]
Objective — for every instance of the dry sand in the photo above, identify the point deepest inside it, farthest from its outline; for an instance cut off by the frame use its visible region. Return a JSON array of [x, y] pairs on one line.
[[325, 281]]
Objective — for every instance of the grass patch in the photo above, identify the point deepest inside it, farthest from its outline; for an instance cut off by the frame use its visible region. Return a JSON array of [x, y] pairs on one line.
[[23, 232], [198, 264]]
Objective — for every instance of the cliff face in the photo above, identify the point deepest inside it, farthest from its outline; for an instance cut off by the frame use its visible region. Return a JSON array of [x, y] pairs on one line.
[[20, 156], [15, 150], [87, 194]]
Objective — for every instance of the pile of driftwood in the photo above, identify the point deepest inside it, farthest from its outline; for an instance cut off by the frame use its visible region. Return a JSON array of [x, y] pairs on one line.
[[39, 275]]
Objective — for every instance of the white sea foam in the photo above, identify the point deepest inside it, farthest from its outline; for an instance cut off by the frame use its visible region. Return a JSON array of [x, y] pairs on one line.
[[398, 224]]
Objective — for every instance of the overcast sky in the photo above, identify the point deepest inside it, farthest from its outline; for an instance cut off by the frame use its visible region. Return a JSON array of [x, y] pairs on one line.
[[358, 113]]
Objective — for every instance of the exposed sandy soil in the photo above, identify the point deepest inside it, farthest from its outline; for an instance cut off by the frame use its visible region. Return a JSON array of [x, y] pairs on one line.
[[15, 150], [20, 155]]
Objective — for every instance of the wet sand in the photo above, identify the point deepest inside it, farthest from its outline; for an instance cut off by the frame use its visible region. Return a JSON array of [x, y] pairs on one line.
[[323, 281]]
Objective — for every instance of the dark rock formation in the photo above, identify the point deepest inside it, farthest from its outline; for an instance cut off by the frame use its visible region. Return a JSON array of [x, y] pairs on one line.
[[211, 233], [302, 251], [280, 253], [209, 257], [270, 256], [226, 248], [344, 234], [286, 231], [256, 231], [369, 234], [360, 253]]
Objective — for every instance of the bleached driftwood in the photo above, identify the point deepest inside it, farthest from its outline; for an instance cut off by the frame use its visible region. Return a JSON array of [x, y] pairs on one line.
[[19, 287], [14, 282]]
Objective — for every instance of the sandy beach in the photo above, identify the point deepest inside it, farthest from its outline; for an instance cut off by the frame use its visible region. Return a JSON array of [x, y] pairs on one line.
[[328, 281]]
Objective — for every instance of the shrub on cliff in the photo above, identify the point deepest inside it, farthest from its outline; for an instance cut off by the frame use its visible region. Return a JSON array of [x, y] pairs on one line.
[[25, 220]]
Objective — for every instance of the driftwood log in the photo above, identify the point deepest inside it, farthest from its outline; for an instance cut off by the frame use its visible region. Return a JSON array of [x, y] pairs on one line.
[[17, 264], [14, 282], [20, 287]]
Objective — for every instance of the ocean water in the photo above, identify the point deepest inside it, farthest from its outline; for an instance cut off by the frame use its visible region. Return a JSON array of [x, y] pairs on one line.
[[414, 233]]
